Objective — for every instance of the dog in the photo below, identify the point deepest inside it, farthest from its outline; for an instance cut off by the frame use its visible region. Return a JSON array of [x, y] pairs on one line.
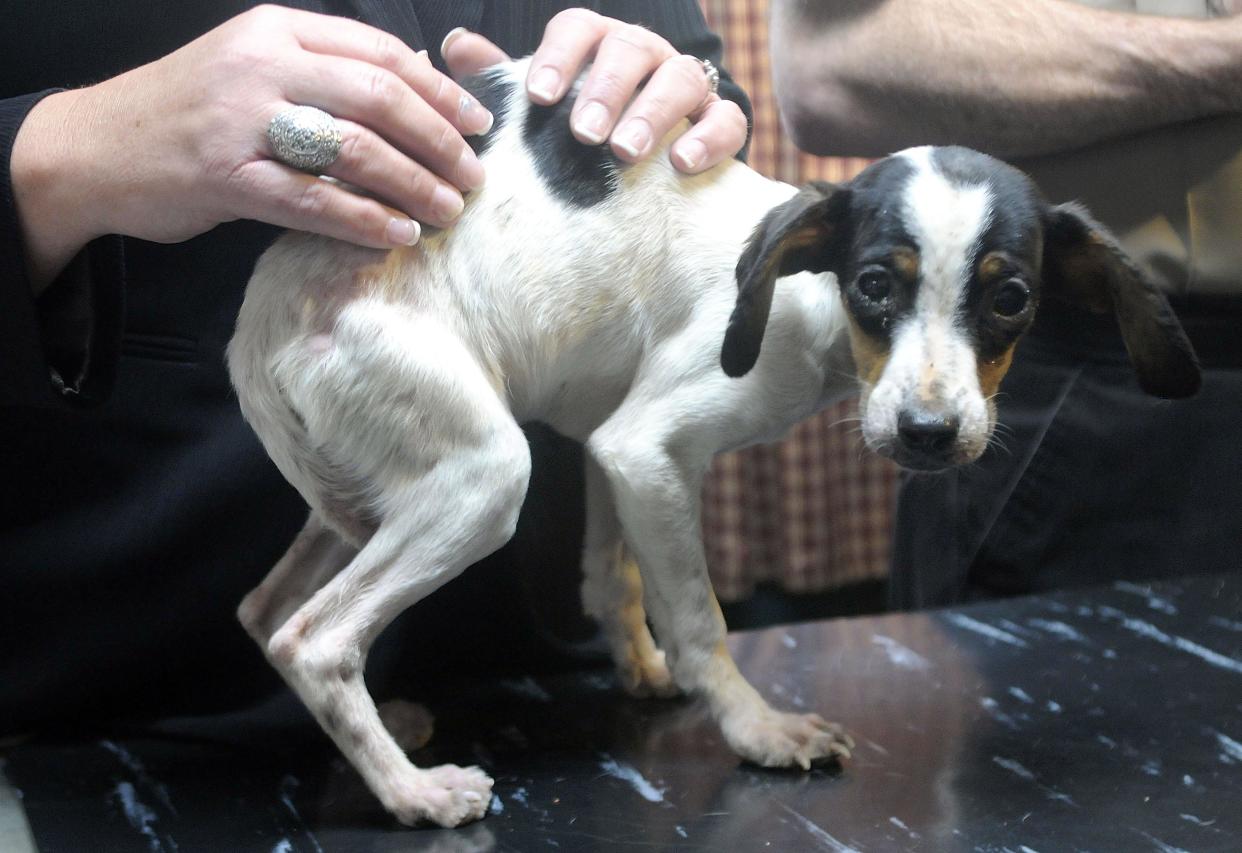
[[657, 318]]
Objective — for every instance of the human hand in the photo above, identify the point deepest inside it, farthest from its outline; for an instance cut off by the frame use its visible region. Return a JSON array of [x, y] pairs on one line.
[[173, 148], [624, 55]]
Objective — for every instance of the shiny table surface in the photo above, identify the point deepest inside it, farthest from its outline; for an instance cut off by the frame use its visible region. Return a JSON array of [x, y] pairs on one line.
[[1099, 719]]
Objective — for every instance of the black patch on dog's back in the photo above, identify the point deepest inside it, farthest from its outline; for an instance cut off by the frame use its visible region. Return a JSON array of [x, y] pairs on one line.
[[582, 175], [492, 90]]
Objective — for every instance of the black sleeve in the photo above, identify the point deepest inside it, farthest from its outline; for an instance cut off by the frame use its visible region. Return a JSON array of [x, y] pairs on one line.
[[62, 348]]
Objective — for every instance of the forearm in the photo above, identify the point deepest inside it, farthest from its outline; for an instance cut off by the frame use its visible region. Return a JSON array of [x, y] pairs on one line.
[[866, 77]]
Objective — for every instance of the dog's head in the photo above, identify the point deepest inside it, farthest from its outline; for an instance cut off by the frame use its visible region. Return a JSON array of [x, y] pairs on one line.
[[942, 256]]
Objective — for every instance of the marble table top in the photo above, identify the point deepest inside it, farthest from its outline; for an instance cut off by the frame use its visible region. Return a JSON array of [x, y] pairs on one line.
[[1088, 720]]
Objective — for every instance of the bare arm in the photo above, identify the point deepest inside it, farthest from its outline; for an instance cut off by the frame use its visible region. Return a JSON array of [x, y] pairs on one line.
[[866, 77]]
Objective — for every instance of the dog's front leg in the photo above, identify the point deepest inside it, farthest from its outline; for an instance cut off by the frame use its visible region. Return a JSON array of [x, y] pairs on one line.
[[612, 593], [657, 496]]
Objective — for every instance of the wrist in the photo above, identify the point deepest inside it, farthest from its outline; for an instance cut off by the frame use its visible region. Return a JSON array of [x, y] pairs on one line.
[[1233, 39], [1188, 68], [52, 187], [1218, 51]]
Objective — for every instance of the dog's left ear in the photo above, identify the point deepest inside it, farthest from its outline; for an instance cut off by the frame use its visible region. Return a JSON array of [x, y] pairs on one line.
[[1084, 264], [795, 236]]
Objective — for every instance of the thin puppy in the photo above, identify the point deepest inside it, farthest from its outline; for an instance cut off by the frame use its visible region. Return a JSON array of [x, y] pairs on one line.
[[389, 388]]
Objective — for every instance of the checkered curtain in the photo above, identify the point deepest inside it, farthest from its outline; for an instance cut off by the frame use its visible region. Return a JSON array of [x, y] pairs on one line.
[[814, 511]]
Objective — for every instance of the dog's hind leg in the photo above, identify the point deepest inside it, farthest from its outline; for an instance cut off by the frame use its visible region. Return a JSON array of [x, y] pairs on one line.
[[447, 469], [612, 593], [315, 556]]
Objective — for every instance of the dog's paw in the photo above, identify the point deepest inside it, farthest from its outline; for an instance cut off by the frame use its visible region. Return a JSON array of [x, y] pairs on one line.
[[409, 723], [447, 796], [645, 675], [774, 739]]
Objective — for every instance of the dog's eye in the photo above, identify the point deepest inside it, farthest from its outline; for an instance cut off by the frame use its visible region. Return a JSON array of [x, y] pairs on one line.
[[1011, 298], [875, 285]]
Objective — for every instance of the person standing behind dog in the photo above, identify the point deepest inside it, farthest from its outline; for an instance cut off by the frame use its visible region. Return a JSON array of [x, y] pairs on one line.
[[138, 508], [1135, 110]]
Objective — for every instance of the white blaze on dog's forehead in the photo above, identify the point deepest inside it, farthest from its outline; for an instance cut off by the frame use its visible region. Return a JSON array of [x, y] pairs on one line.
[[947, 220]]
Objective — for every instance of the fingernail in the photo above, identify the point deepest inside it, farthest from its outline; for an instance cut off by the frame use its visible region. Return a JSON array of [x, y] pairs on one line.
[[422, 52], [633, 138], [402, 232], [690, 155], [446, 204], [470, 170], [473, 116], [450, 37], [592, 123], [544, 84]]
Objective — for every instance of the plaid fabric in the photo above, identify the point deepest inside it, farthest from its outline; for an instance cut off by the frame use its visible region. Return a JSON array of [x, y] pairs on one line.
[[814, 511]]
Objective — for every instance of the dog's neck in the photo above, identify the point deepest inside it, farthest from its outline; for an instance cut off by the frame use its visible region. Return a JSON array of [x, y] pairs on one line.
[[808, 324]]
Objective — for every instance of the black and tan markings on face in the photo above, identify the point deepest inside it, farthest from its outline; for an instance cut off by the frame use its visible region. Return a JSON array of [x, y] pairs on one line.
[[941, 256], [892, 283]]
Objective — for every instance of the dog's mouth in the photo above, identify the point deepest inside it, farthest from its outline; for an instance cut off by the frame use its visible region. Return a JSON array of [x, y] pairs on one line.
[[921, 461]]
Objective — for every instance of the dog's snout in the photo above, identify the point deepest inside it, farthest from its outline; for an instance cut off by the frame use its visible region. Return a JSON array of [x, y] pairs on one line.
[[928, 433]]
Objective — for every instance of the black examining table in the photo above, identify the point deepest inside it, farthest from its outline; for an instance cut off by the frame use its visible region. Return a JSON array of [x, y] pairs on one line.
[[1100, 719]]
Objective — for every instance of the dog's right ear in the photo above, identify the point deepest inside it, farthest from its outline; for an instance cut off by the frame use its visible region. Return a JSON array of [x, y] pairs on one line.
[[795, 236]]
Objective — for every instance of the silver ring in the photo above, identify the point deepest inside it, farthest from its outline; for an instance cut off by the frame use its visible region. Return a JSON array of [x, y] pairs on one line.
[[713, 76], [305, 138]]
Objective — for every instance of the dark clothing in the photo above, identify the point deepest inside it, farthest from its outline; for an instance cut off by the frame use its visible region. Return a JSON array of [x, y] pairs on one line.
[[136, 512], [1076, 489]]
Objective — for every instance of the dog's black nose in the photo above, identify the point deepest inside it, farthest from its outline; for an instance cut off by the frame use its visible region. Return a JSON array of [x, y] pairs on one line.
[[928, 432]]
